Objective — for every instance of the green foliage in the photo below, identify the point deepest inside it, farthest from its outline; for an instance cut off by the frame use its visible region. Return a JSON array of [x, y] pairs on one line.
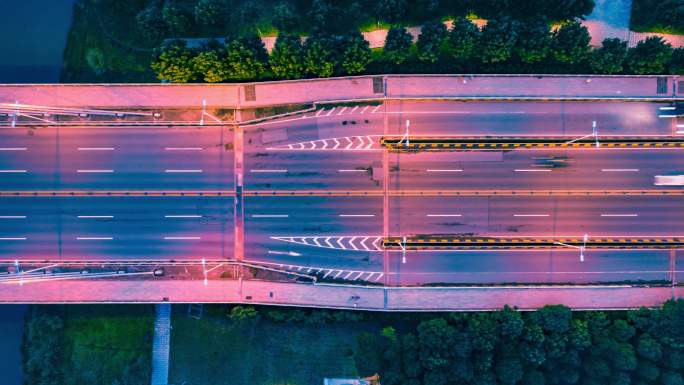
[[177, 17], [571, 43], [610, 58], [356, 54], [243, 314], [676, 66], [430, 41], [287, 57], [245, 58], [509, 370], [657, 16], [534, 41], [367, 355], [210, 66], [553, 318], [622, 330], [320, 58], [498, 38], [650, 56], [173, 63], [397, 45], [210, 12], [672, 378], [390, 11], [284, 17], [649, 348], [247, 15], [151, 23], [463, 39], [42, 348]]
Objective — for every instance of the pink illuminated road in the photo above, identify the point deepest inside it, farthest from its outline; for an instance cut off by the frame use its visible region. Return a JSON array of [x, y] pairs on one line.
[[326, 156]]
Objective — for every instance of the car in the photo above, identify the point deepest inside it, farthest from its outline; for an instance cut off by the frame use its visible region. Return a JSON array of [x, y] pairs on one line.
[[669, 180], [551, 161]]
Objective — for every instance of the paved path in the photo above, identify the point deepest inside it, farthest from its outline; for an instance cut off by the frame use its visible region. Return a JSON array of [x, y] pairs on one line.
[[160, 345]]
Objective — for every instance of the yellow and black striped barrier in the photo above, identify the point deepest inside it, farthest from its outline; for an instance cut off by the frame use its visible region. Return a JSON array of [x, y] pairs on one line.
[[514, 143], [522, 243]]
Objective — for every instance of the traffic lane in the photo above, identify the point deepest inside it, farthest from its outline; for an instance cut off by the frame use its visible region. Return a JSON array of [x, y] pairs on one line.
[[155, 158], [335, 170], [527, 118], [28, 157], [267, 217], [617, 216], [678, 259], [541, 266], [105, 228], [544, 169]]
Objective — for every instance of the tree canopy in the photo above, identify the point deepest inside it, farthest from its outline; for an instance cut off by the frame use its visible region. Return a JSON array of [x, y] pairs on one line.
[[397, 45], [650, 56], [430, 41]]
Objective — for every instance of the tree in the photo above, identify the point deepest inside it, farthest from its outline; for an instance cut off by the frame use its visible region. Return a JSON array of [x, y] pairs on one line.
[[624, 357], [649, 348], [534, 41], [430, 41], [463, 38], [320, 58], [509, 370], [610, 58], [534, 377], [318, 15], [42, 348], [177, 18], [650, 56], [210, 66], [356, 54], [567, 9], [284, 17], [436, 337], [173, 63], [243, 62], [648, 370], [248, 14], [511, 324], [497, 40], [150, 22], [367, 356], [243, 315], [571, 43], [390, 11], [409, 356], [553, 318], [676, 66], [397, 45], [287, 57], [621, 330], [210, 12], [672, 378]]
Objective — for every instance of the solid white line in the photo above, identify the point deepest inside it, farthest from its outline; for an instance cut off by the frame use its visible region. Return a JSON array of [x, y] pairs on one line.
[[619, 170], [95, 216], [680, 132], [181, 238], [182, 216], [444, 215], [619, 215], [443, 170], [530, 215], [270, 215], [667, 116], [96, 149], [668, 108], [94, 238], [13, 171], [13, 239], [12, 216], [532, 170], [183, 171], [349, 170], [680, 125], [95, 171], [267, 170], [183, 148], [357, 215], [12, 148]]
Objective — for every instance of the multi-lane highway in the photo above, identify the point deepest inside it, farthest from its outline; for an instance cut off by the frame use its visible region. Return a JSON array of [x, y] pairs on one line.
[[349, 192]]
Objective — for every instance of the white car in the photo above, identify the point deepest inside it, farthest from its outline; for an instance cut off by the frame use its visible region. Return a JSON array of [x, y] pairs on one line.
[[669, 180]]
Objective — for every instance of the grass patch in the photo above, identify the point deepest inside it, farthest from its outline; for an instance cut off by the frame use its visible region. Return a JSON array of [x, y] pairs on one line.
[[216, 350]]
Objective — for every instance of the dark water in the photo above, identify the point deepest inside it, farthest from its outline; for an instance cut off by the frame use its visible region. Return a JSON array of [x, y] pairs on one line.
[[33, 35], [12, 326]]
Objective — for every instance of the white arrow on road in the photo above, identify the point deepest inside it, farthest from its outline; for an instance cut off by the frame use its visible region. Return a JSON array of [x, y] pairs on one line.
[[290, 253]]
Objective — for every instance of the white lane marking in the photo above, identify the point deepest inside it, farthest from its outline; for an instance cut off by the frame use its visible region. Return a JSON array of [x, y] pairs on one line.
[[12, 216], [270, 216], [96, 149], [183, 171], [94, 238], [619, 170], [13, 171], [183, 148], [443, 170], [532, 170], [680, 125], [680, 132], [357, 215], [376, 109], [331, 111], [182, 216], [94, 171], [13, 239], [281, 171], [320, 111], [667, 116], [12, 148], [619, 215], [94, 216], [181, 238], [668, 108], [350, 170], [353, 109], [530, 215], [290, 253], [444, 215], [342, 111], [364, 109]]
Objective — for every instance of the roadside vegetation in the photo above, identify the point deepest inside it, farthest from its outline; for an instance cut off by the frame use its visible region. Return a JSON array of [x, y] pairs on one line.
[[93, 344], [662, 16]]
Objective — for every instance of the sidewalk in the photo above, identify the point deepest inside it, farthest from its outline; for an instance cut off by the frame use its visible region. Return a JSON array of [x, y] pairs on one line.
[[330, 296]]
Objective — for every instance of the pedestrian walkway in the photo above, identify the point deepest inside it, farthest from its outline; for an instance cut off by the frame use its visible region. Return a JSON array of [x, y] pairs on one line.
[[160, 345]]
